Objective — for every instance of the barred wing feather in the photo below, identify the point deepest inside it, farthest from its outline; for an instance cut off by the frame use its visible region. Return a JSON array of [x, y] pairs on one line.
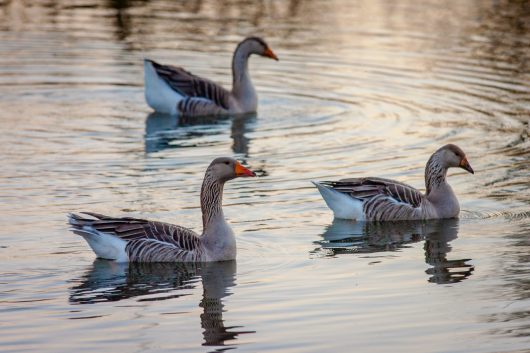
[[383, 199], [151, 250], [197, 106], [365, 188], [146, 240], [190, 85]]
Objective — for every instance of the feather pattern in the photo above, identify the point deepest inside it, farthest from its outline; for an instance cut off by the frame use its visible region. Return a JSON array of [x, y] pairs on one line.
[[148, 241], [190, 85], [197, 106], [139, 240], [211, 199], [383, 199], [435, 173], [389, 200], [363, 188], [174, 90]]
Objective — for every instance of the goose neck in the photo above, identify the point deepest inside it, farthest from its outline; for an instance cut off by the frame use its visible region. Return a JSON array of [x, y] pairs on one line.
[[241, 78], [435, 174], [211, 201]]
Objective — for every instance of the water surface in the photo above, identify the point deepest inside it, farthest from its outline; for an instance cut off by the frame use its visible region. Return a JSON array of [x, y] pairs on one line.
[[362, 88]]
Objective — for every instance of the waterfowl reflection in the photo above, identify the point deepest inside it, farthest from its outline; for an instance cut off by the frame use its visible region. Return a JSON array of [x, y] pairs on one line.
[[346, 237], [164, 131], [108, 281]]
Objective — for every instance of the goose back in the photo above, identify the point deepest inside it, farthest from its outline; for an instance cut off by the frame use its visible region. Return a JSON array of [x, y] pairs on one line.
[[190, 85], [146, 241]]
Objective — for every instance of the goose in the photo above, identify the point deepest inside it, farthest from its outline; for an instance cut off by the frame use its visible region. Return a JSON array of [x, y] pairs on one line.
[[173, 90], [379, 199], [137, 240]]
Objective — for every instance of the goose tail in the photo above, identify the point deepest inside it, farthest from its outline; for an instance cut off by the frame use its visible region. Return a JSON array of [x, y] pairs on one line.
[[342, 205], [158, 94], [104, 245]]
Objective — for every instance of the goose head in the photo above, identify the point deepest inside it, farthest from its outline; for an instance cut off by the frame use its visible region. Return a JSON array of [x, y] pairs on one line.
[[256, 45], [225, 168], [452, 156]]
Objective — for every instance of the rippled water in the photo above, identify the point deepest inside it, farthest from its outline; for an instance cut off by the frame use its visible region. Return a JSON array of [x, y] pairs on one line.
[[362, 88]]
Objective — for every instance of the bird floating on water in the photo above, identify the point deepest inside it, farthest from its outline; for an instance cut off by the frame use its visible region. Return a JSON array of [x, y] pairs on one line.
[[138, 240], [173, 90], [378, 199]]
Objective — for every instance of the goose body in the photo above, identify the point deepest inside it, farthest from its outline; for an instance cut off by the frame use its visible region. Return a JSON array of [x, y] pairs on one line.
[[138, 240], [379, 199], [173, 90]]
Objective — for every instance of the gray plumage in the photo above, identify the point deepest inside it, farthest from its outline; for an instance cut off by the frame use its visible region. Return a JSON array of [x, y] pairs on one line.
[[379, 199], [171, 89], [192, 86], [198, 106], [139, 240]]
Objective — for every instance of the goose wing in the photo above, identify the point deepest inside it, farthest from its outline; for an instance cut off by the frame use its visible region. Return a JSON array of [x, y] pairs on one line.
[[197, 106], [188, 84], [366, 188], [383, 199], [147, 241]]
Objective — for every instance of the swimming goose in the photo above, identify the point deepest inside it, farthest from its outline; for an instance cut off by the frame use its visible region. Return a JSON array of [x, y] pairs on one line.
[[378, 199], [131, 239], [173, 90]]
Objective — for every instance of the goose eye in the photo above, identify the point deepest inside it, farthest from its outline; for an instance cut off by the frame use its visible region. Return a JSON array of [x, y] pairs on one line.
[[227, 163]]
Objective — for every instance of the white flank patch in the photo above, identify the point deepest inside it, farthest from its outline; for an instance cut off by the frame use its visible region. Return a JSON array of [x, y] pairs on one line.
[[106, 246], [158, 94], [343, 206]]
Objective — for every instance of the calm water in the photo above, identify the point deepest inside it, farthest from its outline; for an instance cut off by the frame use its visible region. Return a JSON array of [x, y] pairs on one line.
[[362, 88]]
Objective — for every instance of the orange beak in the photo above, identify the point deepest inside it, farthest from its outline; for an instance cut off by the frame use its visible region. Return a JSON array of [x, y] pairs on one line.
[[243, 172], [464, 164], [270, 54]]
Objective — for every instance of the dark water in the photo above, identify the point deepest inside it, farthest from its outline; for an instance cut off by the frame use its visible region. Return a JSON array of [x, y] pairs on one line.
[[362, 88]]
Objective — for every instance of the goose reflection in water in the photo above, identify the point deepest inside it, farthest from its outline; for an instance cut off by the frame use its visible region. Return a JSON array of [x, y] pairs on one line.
[[107, 281], [343, 237], [168, 131]]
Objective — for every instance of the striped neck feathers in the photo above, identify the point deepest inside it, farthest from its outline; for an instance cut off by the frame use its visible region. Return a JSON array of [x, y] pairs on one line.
[[435, 173], [211, 198]]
